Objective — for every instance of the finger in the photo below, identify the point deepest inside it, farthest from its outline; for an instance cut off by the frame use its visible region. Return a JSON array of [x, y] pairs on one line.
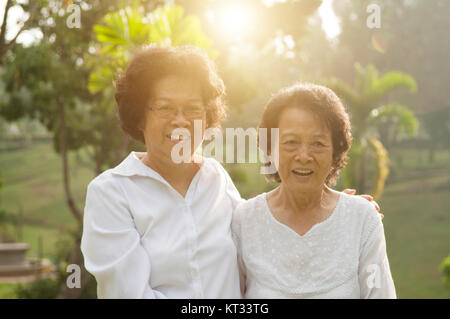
[[368, 197], [350, 191], [382, 216], [376, 206]]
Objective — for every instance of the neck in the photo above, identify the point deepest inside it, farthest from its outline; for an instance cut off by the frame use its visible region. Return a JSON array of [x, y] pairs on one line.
[[167, 168], [302, 202]]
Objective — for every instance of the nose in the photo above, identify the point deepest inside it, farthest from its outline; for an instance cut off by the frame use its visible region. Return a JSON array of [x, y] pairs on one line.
[[180, 120], [302, 155]]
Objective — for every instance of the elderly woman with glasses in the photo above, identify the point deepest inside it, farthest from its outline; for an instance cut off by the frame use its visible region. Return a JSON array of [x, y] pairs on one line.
[[155, 227]]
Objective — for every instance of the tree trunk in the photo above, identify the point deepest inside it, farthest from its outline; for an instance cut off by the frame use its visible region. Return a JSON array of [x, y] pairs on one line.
[[66, 178], [5, 46], [76, 256]]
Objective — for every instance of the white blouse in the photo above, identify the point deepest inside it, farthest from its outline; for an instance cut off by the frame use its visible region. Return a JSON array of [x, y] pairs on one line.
[[142, 239], [342, 257]]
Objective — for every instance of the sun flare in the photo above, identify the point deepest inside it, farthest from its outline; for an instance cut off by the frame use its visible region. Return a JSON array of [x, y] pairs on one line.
[[234, 21]]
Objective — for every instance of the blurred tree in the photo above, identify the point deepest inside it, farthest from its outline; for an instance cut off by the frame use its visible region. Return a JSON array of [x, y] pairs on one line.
[[437, 125], [412, 38], [367, 111], [259, 44], [29, 19], [48, 81], [121, 32], [7, 221], [445, 269]]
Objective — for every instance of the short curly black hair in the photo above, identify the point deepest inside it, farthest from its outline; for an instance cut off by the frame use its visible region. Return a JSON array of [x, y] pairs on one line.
[[323, 102], [150, 64]]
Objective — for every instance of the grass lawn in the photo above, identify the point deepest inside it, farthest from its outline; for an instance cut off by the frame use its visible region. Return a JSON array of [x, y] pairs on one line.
[[7, 291], [32, 181], [415, 204]]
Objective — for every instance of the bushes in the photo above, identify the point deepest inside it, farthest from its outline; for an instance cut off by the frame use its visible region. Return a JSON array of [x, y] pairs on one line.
[[238, 175], [50, 288], [445, 269], [39, 289]]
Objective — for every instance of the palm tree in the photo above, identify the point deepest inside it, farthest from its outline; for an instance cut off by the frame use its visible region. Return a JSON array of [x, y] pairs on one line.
[[365, 102], [121, 32]]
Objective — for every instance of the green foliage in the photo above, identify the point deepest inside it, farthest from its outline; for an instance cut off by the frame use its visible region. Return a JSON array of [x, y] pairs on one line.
[[7, 220], [39, 289], [405, 120], [437, 125], [49, 289], [445, 270], [120, 33], [368, 111], [238, 175]]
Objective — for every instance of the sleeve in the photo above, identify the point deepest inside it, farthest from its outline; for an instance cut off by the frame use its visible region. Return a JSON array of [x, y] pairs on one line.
[[232, 191], [111, 245], [236, 200], [375, 279], [236, 234]]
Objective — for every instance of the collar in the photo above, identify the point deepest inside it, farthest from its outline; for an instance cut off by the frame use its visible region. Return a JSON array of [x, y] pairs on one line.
[[132, 166]]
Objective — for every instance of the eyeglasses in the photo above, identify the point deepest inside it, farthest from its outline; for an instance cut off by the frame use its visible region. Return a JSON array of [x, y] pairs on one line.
[[168, 112]]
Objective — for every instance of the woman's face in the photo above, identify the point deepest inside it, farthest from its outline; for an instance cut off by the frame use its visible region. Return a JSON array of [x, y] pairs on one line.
[[173, 92], [305, 150]]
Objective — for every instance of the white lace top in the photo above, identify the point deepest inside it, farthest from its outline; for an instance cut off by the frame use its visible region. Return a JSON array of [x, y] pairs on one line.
[[342, 257]]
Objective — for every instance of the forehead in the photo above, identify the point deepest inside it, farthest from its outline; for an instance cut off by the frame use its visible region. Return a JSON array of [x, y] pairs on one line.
[[176, 87], [301, 121]]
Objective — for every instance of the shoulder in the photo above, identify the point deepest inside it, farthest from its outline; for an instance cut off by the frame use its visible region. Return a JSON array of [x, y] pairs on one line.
[[359, 211], [212, 164], [107, 178], [106, 184], [359, 207], [224, 177], [249, 208]]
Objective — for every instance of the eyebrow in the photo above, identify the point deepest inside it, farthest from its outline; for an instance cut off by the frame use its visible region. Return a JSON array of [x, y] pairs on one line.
[[320, 135], [295, 135], [166, 99]]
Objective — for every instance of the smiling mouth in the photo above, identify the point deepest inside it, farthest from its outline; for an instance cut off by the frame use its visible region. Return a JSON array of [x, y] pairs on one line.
[[175, 138], [302, 172]]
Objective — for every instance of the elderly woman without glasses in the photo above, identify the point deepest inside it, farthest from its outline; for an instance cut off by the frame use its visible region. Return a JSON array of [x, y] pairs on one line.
[[303, 239], [154, 228]]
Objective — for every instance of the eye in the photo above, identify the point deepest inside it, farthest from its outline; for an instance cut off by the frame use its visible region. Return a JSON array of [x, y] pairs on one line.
[[194, 109], [318, 144], [163, 108]]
